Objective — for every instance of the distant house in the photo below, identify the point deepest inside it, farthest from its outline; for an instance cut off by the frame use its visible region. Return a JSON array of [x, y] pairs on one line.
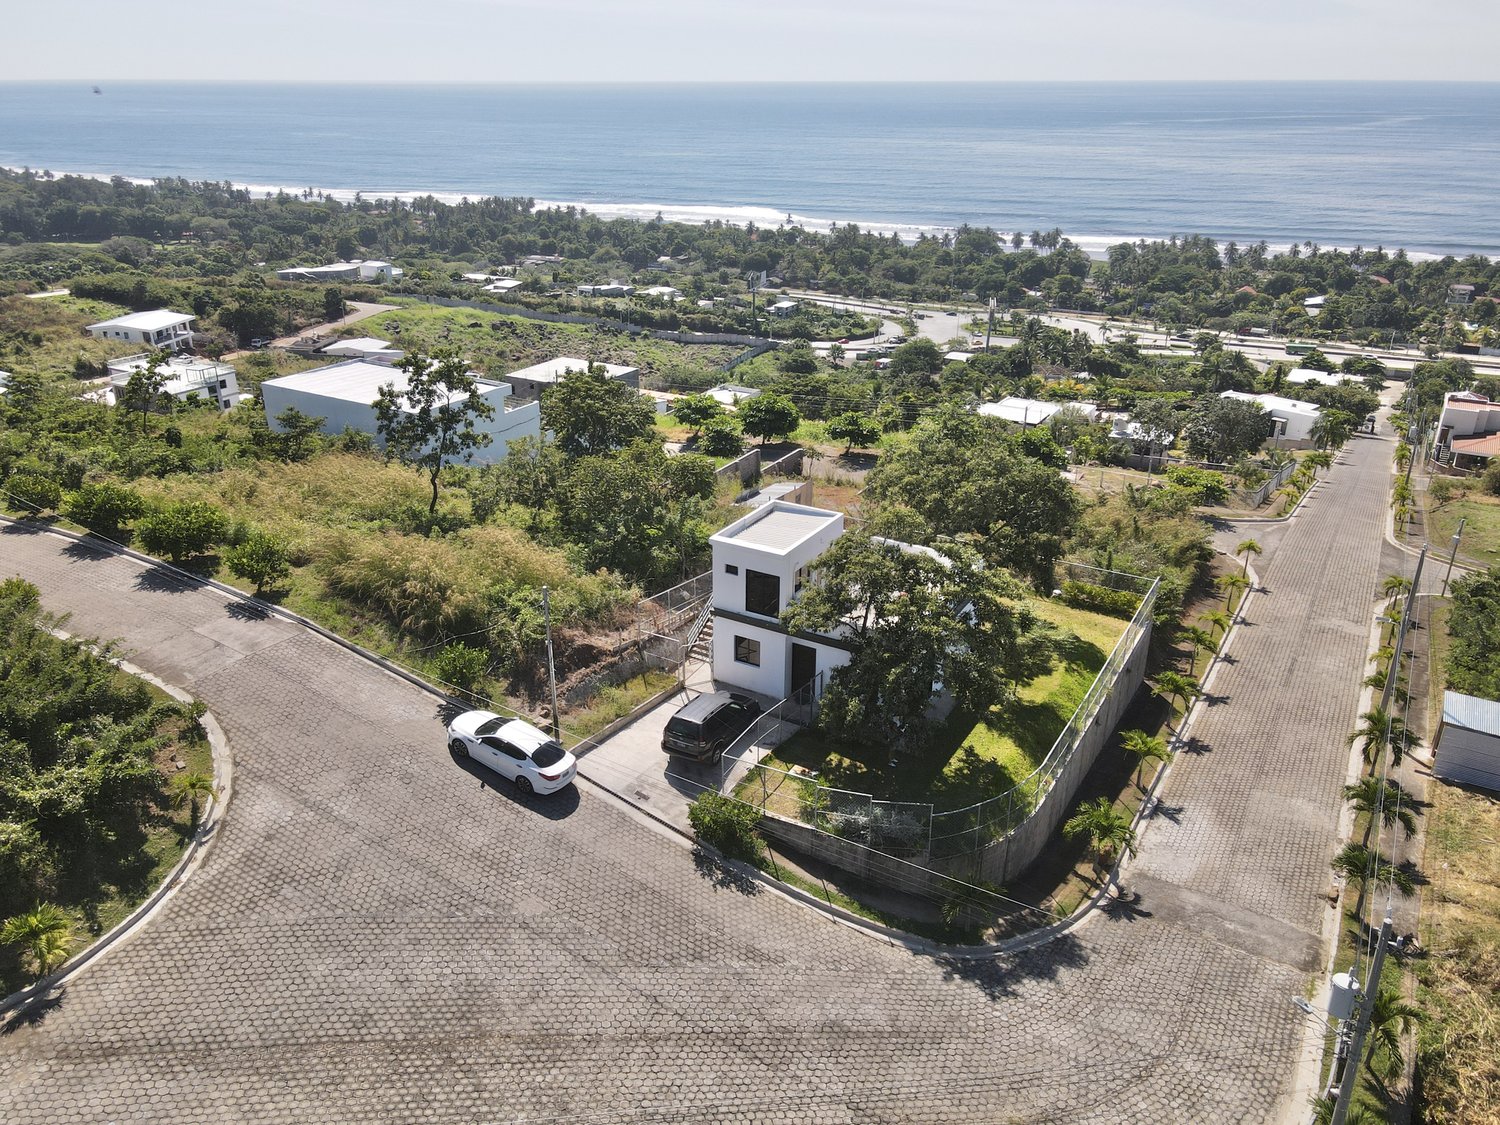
[[504, 285], [1467, 747], [160, 328], [529, 382], [662, 293], [355, 270], [1032, 411], [1314, 305], [365, 347], [607, 289], [959, 357], [727, 394], [1301, 376], [782, 308], [344, 396], [760, 562], [1460, 294], [1468, 430], [1294, 420], [187, 378]]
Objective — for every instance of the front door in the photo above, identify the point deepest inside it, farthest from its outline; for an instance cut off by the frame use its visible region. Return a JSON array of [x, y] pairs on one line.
[[804, 666]]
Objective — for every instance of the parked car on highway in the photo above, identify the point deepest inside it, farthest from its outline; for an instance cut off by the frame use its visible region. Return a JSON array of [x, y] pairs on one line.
[[705, 727], [514, 749]]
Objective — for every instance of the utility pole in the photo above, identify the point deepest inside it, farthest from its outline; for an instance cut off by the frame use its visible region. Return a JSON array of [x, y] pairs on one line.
[[551, 668], [989, 327], [1452, 555], [1361, 1027]]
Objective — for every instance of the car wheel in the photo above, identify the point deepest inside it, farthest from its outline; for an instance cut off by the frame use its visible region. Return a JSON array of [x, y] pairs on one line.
[[459, 747], [523, 783], [718, 751]]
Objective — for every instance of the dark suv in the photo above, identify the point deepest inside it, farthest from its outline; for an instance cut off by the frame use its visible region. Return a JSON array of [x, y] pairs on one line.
[[706, 726]]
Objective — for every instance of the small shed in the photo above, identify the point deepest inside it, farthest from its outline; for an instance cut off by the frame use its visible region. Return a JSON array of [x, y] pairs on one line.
[[1467, 747]]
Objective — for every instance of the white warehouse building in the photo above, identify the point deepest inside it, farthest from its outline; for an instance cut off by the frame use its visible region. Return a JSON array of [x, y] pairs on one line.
[[760, 563], [344, 396]]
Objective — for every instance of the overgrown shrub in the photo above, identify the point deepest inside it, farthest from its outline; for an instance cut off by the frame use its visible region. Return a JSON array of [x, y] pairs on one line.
[[31, 492], [1206, 486], [461, 665], [103, 508], [727, 825], [183, 529], [261, 558], [1100, 599]]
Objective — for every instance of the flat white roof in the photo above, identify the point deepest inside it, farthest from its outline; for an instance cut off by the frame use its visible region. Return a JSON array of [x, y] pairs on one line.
[[153, 321], [779, 526], [361, 344], [1274, 402], [356, 380], [554, 369]]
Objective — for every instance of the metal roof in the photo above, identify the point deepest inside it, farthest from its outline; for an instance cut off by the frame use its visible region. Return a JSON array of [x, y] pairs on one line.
[[554, 369], [358, 380], [1471, 712], [782, 526]]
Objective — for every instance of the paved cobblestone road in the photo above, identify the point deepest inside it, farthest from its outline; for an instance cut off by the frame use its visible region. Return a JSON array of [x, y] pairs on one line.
[[377, 936]]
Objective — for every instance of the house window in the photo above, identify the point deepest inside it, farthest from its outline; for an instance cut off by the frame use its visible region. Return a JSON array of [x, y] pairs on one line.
[[746, 651], [762, 593], [730, 568], [223, 384]]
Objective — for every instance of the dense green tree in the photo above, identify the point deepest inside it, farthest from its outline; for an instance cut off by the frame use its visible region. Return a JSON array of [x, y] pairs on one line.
[[853, 428], [333, 304], [721, 438], [103, 507], [297, 436], [431, 418], [768, 416], [142, 392], [183, 529], [1474, 625], [592, 414], [261, 558], [1221, 430], [1106, 828], [695, 410]]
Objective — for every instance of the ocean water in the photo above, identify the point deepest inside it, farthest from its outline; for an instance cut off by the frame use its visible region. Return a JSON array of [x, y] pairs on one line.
[[1411, 165]]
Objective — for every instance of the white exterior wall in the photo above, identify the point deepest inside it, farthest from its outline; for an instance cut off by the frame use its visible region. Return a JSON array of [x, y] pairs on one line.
[[340, 414], [729, 589], [1298, 426], [773, 677]]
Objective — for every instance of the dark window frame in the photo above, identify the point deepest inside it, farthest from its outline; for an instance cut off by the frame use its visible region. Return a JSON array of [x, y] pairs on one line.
[[762, 593], [742, 651]]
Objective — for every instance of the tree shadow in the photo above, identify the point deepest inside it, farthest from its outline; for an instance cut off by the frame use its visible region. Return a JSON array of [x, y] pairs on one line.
[[1208, 699], [1000, 978], [83, 550], [34, 1012], [1195, 746], [26, 525], [448, 710], [1124, 906], [156, 580], [1165, 811], [722, 876], [247, 610]]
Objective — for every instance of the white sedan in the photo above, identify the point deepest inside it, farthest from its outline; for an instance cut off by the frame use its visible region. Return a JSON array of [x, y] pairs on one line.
[[514, 749]]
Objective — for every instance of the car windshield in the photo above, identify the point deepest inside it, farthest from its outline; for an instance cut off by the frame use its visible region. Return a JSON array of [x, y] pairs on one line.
[[489, 726], [547, 754]]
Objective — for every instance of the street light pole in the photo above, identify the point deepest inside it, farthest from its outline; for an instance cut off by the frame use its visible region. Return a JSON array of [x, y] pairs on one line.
[[1452, 554], [551, 668], [1361, 1027]]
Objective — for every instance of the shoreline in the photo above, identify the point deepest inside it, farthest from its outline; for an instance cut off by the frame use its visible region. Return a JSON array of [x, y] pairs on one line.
[[1096, 246]]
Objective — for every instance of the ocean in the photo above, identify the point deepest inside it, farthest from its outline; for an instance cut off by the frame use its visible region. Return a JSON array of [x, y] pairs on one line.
[[1410, 165]]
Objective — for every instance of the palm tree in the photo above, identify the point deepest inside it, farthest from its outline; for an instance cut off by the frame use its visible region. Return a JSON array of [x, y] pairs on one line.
[[1202, 641], [1231, 583], [1174, 685], [187, 788], [1318, 459], [1390, 1018], [1144, 746], [1247, 548], [1393, 801], [1395, 587], [1357, 864], [1220, 620], [1380, 728], [1107, 828], [43, 935], [1403, 456]]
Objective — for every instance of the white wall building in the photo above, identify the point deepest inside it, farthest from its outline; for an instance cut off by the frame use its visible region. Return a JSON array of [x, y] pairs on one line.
[[187, 378], [160, 328], [782, 308], [1294, 420], [662, 293], [530, 382], [1033, 411], [356, 270], [344, 395], [759, 563], [1469, 428], [731, 395], [1302, 376], [366, 347]]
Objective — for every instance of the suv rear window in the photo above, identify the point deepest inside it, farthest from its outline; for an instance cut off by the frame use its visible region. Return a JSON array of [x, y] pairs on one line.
[[678, 725]]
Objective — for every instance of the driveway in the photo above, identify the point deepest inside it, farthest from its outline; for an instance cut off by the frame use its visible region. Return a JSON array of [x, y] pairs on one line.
[[378, 934]]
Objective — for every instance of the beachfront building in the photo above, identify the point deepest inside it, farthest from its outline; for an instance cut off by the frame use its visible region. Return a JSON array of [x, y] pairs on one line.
[[188, 379], [159, 328], [1033, 411], [529, 382], [1468, 434], [760, 562], [354, 270], [344, 396], [1293, 420]]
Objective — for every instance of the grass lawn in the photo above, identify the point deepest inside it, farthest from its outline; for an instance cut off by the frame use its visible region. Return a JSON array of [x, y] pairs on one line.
[[973, 757], [613, 702], [1481, 539]]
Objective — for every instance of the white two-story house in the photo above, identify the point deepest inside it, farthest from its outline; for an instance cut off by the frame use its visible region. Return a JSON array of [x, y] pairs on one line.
[[186, 378], [760, 563], [160, 328]]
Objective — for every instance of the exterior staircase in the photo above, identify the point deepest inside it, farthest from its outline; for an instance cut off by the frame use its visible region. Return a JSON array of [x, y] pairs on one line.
[[703, 645]]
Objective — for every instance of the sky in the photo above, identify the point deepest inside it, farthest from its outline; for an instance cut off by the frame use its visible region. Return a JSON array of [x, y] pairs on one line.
[[750, 40]]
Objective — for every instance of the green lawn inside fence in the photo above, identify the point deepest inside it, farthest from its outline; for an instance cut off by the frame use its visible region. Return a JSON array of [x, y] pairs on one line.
[[971, 757]]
